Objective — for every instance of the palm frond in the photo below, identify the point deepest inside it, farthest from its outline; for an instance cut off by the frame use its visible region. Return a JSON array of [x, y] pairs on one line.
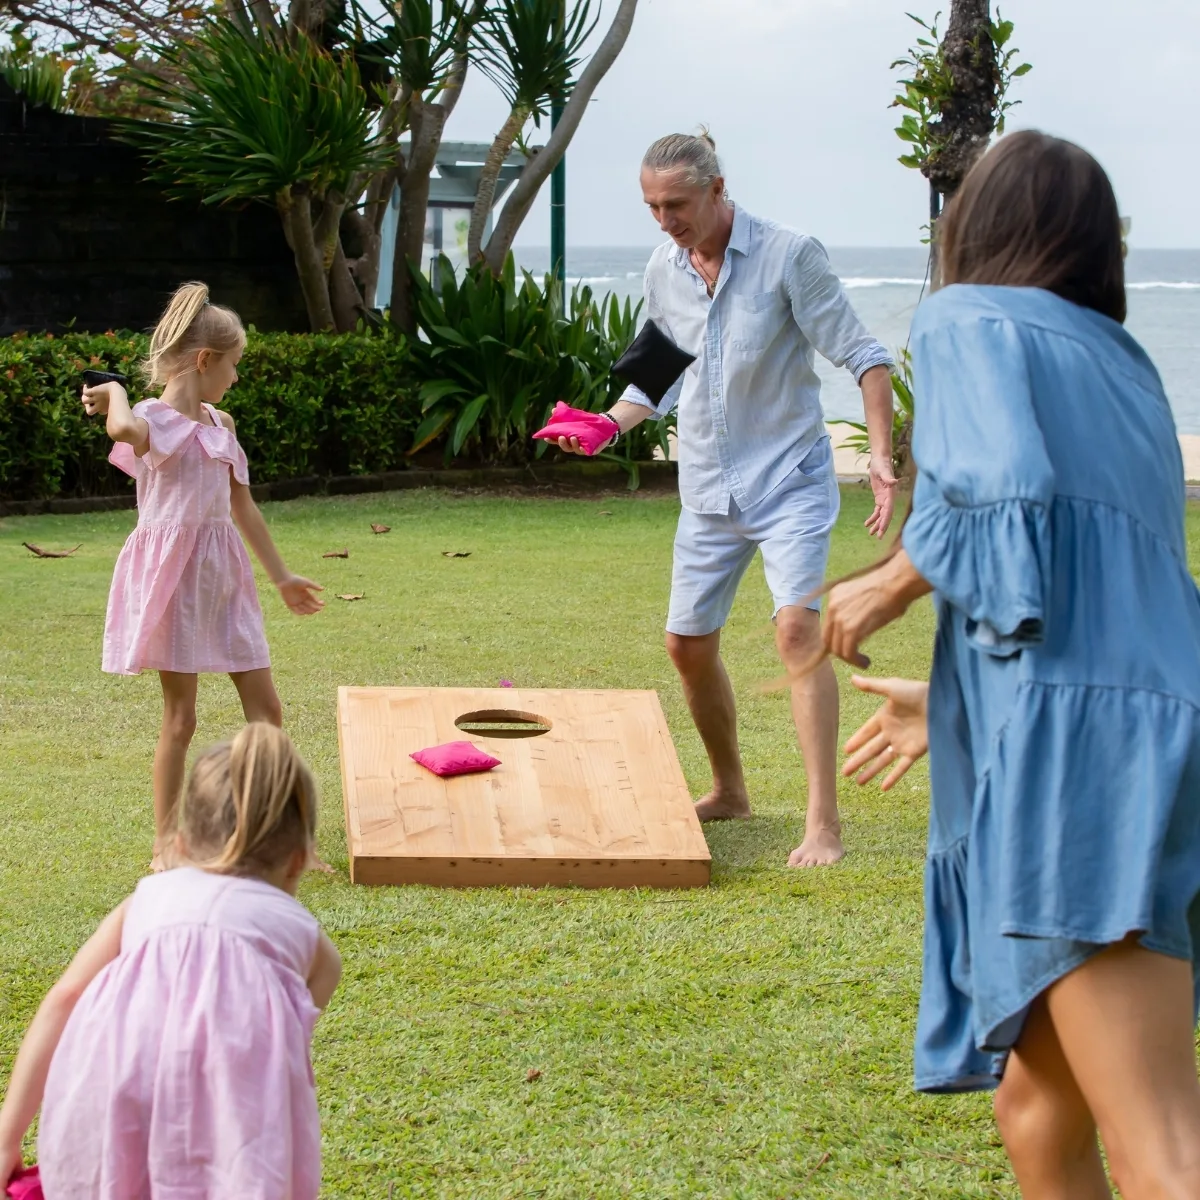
[[248, 115]]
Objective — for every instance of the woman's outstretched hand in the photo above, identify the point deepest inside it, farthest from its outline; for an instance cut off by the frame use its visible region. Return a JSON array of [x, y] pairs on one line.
[[896, 736], [299, 594], [863, 604]]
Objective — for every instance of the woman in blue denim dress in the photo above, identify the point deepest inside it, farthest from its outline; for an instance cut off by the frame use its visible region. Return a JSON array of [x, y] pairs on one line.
[[1062, 886]]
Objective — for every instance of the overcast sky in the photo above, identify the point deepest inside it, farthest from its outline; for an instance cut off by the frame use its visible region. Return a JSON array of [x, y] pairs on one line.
[[796, 93]]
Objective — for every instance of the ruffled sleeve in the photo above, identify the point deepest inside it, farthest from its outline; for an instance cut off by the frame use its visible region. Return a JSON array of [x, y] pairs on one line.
[[222, 444], [980, 526], [169, 432]]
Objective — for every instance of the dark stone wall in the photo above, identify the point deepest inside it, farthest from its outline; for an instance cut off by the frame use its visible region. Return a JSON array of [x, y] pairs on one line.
[[83, 237]]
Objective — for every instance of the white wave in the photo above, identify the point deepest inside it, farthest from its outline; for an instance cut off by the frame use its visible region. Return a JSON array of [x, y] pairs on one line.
[[1185, 285], [591, 280], [874, 281]]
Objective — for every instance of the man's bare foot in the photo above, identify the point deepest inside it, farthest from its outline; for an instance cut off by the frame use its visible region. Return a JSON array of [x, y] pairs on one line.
[[821, 848], [721, 808]]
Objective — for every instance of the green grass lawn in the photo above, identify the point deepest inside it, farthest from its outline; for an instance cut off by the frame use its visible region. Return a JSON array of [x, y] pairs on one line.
[[750, 1040]]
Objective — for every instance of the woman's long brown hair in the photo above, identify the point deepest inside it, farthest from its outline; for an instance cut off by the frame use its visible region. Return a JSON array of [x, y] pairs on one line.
[[1034, 211]]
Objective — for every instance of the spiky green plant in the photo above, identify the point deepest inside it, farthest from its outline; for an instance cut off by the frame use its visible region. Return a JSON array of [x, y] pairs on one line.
[[40, 78], [496, 354], [530, 50], [255, 116]]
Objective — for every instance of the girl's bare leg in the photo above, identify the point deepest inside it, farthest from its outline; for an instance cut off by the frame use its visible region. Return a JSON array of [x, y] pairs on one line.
[[1047, 1127], [260, 702], [1125, 1021], [170, 755]]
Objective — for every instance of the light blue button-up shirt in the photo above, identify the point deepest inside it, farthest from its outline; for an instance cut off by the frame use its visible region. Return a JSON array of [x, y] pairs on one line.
[[750, 405]]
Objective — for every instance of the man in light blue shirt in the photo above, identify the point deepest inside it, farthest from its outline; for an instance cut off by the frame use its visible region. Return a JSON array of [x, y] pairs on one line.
[[753, 301]]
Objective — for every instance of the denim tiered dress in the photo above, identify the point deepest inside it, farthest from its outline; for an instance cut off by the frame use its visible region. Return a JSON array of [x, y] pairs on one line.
[[1064, 704]]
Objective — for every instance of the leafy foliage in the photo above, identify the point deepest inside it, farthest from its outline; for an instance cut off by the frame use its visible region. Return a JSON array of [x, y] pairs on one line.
[[530, 49], [421, 40], [929, 85], [307, 404], [344, 404], [40, 78], [250, 115], [902, 420], [496, 353]]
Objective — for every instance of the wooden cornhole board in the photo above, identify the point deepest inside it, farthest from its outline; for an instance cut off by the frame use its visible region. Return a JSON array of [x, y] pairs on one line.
[[598, 800]]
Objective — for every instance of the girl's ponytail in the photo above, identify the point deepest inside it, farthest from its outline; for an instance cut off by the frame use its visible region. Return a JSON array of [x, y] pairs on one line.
[[249, 804], [190, 324]]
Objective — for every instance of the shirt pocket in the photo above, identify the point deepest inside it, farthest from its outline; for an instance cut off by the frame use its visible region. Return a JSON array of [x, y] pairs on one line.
[[754, 320]]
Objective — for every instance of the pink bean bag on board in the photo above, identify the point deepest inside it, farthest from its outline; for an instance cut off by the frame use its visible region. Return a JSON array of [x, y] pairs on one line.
[[592, 429], [454, 758], [25, 1184]]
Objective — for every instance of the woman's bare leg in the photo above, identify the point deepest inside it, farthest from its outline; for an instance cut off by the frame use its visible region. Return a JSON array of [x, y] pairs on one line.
[[170, 755], [1047, 1127], [1126, 1024]]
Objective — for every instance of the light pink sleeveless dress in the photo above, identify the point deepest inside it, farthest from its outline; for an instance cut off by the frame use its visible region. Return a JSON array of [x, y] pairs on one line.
[[183, 595], [184, 1071]]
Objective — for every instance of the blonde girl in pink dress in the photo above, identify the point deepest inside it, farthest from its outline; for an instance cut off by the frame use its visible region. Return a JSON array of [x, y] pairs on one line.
[[172, 1058], [183, 600]]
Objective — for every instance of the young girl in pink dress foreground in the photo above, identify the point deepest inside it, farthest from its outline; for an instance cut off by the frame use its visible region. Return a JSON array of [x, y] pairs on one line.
[[172, 1057], [183, 599]]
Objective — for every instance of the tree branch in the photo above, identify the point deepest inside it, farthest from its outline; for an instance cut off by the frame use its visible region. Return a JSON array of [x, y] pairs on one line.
[[541, 165], [264, 14], [485, 192]]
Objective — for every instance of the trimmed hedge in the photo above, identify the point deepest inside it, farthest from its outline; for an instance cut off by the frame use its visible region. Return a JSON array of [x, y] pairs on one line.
[[305, 404]]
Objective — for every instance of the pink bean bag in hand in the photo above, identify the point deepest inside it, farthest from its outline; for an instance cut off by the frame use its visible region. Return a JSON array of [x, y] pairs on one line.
[[454, 758], [25, 1185], [592, 429]]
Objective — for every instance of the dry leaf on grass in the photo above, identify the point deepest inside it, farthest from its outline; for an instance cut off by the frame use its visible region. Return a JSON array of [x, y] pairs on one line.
[[605, 513], [381, 528], [456, 554], [532, 1074], [50, 553], [336, 554], [351, 596]]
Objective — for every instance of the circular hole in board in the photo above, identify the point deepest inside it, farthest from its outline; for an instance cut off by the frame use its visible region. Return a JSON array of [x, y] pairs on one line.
[[503, 723]]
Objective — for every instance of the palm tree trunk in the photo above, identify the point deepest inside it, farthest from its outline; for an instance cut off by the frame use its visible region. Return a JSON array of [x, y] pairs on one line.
[[486, 192], [540, 167], [426, 122], [295, 210], [968, 116], [429, 121], [344, 296]]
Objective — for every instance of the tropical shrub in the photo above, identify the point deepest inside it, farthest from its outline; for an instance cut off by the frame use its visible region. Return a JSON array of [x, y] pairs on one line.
[[323, 404], [902, 419], [497, 352]]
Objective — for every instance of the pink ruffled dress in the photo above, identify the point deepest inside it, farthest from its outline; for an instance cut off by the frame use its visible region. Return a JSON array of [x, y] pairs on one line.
[[183, 595], [184, 1072]]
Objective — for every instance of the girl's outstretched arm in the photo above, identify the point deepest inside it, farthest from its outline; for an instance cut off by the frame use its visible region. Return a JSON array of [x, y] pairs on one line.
[[28, 1079], [112, 401], [298, 593]]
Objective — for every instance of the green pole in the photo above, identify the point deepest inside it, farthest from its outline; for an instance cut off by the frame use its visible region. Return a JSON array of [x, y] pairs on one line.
[[558, 205]]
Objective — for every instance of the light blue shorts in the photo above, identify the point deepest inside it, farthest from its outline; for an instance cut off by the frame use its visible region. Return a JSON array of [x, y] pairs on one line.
[[791, 527]]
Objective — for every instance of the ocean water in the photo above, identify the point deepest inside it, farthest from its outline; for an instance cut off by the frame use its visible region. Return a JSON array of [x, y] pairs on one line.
[[885, 284]]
